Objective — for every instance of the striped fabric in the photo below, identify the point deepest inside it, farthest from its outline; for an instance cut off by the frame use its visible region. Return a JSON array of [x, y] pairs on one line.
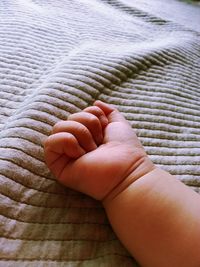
[[56, 58]]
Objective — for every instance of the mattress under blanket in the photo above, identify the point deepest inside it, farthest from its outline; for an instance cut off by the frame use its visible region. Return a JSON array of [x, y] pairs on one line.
[[56, 58]]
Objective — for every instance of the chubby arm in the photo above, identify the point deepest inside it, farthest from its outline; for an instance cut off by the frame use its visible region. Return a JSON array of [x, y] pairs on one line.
[[155, 216]]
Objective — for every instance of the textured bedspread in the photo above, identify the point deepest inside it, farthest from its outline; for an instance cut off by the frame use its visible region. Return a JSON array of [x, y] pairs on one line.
[[56, 58]]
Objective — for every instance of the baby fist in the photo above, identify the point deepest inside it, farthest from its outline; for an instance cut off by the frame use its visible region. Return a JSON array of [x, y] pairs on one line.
[[96, 152]]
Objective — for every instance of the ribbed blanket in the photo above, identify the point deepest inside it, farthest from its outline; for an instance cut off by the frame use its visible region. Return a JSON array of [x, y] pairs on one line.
[[56, 58]]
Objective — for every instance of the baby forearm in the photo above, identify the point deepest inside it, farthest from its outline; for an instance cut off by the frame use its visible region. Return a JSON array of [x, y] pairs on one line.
[[158, 220], [156, 217]]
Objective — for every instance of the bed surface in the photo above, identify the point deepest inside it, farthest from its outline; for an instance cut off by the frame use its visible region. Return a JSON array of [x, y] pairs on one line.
[[56, 58]]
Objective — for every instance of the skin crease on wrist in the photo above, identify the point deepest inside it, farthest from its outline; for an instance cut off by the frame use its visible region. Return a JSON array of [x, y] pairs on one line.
[[97, 153]]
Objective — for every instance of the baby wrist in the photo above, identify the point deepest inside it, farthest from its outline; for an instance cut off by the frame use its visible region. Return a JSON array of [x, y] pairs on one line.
[[139, 170]]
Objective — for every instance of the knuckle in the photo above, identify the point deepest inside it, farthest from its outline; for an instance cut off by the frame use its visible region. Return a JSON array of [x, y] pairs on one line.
[[83, 130], [97, 109], [94, 110], [57, 126], [72, 116], [70, 137], [93, 120], [76, 117]]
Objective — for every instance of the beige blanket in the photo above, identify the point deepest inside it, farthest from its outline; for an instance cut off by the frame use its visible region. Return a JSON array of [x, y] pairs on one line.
[[56, 58]]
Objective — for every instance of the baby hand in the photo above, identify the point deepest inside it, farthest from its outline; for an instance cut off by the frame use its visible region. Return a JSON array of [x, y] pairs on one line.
[[96, 152]]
